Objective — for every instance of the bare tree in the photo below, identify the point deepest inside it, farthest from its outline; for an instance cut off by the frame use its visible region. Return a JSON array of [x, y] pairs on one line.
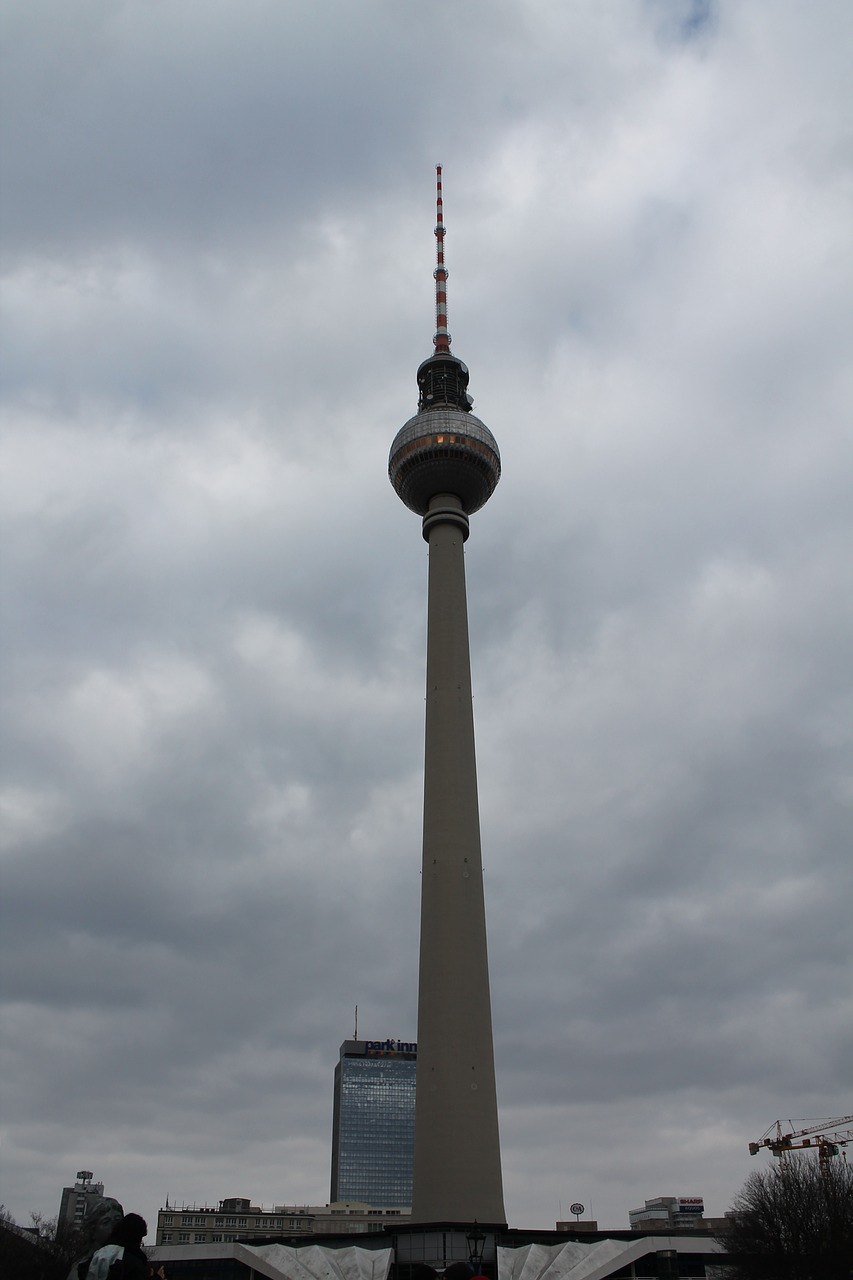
[[793, 1221]]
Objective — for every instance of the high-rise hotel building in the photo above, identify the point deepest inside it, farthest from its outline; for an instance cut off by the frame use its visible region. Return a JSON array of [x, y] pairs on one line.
[[374, 1123], [78, 1201]]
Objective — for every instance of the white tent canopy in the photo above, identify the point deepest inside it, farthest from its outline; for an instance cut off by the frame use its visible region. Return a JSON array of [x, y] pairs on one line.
[[285, 1262], [594, 1261]]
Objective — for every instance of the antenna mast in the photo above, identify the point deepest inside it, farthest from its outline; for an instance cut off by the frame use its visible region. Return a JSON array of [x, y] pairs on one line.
[[442, 337]]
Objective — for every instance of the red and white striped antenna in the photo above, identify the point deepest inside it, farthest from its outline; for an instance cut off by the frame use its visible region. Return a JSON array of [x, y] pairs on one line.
[[442, 337]]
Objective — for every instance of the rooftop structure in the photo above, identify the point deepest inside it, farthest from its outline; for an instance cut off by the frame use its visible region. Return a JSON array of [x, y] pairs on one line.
[[401, 1254]]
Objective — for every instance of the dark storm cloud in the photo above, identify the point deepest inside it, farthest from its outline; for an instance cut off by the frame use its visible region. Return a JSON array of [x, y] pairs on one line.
[[218, 254]]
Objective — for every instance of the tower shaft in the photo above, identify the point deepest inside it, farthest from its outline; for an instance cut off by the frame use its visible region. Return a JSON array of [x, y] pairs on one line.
[[444, 464], [457, 1165]]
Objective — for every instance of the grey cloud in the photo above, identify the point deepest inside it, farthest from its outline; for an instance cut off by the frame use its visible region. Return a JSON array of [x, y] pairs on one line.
[[218, 287]]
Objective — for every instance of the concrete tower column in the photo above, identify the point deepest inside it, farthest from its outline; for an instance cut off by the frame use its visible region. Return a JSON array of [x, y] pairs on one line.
[[457, 1166], [444, 464]]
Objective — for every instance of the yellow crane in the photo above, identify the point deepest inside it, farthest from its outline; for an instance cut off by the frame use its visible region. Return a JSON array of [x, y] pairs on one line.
[[826, 1136]]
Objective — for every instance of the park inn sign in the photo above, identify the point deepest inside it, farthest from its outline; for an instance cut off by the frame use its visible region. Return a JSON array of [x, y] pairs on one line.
[[386, 1048]]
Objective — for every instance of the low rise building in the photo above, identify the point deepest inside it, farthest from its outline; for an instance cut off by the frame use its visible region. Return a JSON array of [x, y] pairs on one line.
[[238, 1219], [668, 1213]]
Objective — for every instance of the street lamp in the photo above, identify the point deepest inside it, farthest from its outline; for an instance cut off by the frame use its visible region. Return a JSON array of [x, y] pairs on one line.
[[476, 1242]]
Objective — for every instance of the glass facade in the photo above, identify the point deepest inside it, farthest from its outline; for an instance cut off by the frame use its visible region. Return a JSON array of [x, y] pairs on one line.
[[374, 1125]]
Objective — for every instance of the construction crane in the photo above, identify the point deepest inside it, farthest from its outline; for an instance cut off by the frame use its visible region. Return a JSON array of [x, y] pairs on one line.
[[826, 1136]]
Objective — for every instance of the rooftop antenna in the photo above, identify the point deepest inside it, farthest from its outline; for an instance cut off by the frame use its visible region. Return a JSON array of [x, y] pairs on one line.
[[355, 1033], [442, 337]]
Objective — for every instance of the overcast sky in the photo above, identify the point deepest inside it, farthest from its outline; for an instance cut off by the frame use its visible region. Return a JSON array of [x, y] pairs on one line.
[[217, 263]]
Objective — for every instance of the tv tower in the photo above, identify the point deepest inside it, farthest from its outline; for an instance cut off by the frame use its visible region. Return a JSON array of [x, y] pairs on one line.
[[444, 464]]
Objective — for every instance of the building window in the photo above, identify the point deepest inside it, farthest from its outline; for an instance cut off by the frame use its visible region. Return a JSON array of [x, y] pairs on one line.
[[200, 1237], [217, 1235], [241, 1222], [199, 1222], [220, 1222], [167, 1219], [183, 1237], [167, 1235]]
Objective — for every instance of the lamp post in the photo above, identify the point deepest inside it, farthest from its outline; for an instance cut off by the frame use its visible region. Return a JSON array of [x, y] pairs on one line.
[[476, 1245]]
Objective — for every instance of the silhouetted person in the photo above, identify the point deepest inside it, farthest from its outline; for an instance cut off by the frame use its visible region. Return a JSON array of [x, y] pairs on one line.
[[122, 1258]]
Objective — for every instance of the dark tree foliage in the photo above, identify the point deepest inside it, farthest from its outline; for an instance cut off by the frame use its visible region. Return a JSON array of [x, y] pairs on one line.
[[40, 1253], [793, 1221]]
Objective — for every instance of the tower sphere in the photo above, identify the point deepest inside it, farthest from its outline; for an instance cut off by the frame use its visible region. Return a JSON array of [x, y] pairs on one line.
[[444, 448], [444, 451]]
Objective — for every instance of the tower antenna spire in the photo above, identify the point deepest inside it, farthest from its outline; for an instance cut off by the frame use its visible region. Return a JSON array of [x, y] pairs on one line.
[[441, 340]]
